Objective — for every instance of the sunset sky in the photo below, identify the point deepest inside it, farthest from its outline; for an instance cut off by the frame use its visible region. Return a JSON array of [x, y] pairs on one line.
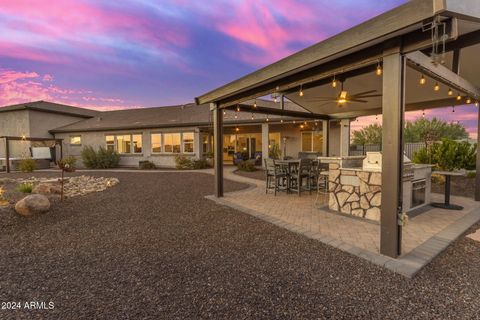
[[144, 53]]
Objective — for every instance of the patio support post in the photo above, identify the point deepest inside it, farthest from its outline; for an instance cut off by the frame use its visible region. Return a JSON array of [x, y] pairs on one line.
[[265, 142], [393, 107], [325, 124], [7, 154], [477, 167], [344, 137], [218, 146]]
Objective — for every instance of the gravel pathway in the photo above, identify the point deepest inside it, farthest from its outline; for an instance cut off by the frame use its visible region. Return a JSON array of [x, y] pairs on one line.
[[153, 247]]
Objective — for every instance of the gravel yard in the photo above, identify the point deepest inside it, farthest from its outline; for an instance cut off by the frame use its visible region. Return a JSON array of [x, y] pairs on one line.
[[154, 247]]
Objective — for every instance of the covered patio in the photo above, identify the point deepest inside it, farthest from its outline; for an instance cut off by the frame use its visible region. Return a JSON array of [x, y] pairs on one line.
[[419, 56]]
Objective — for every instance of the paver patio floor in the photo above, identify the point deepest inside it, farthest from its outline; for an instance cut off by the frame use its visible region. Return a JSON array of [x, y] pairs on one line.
[[310, 212]]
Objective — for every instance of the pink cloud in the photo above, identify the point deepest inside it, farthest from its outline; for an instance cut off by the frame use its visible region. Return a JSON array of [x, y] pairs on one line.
[[10, 75]]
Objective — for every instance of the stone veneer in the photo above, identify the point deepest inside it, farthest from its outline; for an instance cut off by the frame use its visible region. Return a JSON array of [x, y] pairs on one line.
[[355, 192]]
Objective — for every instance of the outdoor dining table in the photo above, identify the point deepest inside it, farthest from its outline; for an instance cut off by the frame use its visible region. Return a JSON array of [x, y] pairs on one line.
[[446, 204]]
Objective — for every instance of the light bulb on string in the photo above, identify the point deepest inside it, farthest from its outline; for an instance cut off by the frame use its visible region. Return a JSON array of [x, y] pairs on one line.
[[238, 108], [301, 91], [423, 80], [334, 82], [459, 97], [379, 69], [453, 109], [252, 115], [476, 103], [224, 112], [255, 104], [237, 129], [376, 117], [436, 87], [267, 118], [423, 114], [236, 116], [450, 92], [468, 100]]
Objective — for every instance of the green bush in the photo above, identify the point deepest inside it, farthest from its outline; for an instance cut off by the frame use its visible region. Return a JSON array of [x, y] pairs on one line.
[[471, 174], [67, 162], [247, 165], [25, 187], [100, 159], [27, 165], [183, 162], [200, 164], [448, 155], [147, 165]]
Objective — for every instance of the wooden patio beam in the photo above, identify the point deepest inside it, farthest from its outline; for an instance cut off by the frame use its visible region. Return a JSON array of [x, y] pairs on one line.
[[279, 112]]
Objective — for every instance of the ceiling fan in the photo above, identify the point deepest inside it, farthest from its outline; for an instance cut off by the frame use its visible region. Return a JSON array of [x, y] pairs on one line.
[[344, 97]]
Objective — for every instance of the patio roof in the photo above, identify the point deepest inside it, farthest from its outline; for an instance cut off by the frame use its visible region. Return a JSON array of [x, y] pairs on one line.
[[354, 54]]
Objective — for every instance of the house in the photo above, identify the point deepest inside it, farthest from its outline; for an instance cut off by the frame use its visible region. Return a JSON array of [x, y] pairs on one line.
[[159, 134]]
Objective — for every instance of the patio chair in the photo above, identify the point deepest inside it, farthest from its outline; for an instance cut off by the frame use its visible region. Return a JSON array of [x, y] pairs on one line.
[[275, 177], [299, 173], [318, 180]]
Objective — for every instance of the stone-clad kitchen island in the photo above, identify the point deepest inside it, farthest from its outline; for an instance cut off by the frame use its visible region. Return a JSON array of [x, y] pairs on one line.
[[354, 185]]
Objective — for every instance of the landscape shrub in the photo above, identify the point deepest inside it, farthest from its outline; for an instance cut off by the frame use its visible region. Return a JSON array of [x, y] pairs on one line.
[[200, 164], [70, 161], [25, 187], [100, 159], [183, 162], [27, 165], [448, 155], [147, 165], [471, 174], [247, 165]]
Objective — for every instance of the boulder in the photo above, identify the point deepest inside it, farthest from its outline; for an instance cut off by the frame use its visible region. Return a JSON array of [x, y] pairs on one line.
[[47, 188], [32, 204]]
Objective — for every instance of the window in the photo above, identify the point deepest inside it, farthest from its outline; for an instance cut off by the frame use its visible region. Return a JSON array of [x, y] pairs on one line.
[[137, 143], [156, 142], [76, 140], [187, 142], [124, 143], [312, 141], [110, 141], [171, 142]]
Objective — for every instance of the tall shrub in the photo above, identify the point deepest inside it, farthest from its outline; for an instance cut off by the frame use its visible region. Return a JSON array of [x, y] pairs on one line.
[[100, 159], [448, 155]]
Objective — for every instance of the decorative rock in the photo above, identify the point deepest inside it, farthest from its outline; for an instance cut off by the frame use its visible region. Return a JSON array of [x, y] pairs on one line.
[[348, 173], [364, 203], [32, 204], [332, 202], [373, 214], [363, 175], [369, 196], [353, 197], [376, 200], [342, 198], [357, 212], [355, 205], [332, 186], [347, 208], [348, 189], [376, 179], [47, 188], [375, 189]]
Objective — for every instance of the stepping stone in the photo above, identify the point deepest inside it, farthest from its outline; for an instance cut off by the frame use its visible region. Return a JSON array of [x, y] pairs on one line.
[[475, 236]]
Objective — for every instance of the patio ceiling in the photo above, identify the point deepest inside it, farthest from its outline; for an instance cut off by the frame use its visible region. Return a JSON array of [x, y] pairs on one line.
[[353, 55]]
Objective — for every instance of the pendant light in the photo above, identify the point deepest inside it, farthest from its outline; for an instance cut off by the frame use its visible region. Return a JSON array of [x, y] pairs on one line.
[[379, 70], [436, 87], [450, 92], [301, 91], [423, 80], [459, 97], [334, 82]]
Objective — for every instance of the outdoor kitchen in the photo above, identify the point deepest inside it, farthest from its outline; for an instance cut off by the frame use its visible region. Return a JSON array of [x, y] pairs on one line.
[[354, 185]]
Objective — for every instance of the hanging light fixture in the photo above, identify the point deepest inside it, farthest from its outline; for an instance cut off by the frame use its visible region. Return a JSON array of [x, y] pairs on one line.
[[436, 87], [301, 91], [450, 92], [379, 69], [423, 80], [238, 108], [334, 82], [468, 100], [255, 104], [459, 97]]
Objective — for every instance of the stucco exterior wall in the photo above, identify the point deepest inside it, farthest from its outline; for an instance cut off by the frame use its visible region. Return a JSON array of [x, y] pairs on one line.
[[42, 122], [15, 123], [97, 139]]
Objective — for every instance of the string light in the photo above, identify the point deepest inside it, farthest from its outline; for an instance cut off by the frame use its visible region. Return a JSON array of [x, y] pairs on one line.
[[236, 116], [376, 117], [293, 121], [281, 120], [301, 91], [423, 80], [255, 104], [423, 113], [301, 126], [237, 129], [252, 115], [476, 103], [238, 108], [453, 109], [334, 82], [379, 69], [468, 100], [275, 99], [450, 92], [224, 112], [436, 87], [267, 118], [459, 97], [305, 122]]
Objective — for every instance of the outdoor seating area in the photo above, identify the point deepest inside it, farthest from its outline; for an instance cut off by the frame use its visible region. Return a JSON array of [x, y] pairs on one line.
[[295, 176]]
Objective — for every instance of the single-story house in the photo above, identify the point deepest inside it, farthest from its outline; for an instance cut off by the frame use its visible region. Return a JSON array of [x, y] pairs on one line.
[[159, 134]]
